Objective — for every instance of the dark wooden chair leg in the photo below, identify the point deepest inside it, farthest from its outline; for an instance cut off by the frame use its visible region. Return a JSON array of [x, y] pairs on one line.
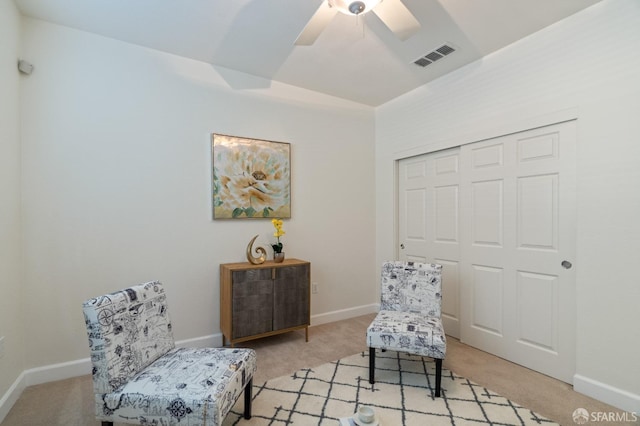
[[372, 365], [438, 376], [247, 399]]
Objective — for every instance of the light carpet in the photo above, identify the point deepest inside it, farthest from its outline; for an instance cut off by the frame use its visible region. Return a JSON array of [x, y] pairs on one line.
[[402, 395]]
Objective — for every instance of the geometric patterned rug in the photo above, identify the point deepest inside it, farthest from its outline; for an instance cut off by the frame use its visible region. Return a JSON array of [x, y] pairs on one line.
[[402, 395]]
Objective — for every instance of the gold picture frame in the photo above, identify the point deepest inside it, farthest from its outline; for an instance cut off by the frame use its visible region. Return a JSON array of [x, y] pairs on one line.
[[251, 178]]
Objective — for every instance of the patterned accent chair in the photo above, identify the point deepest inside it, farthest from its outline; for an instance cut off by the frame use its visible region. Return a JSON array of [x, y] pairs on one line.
[[410, 314], [140, 377]]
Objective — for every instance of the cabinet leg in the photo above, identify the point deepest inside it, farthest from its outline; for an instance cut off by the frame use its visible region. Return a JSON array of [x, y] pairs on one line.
[[306, 334], [224, 342]]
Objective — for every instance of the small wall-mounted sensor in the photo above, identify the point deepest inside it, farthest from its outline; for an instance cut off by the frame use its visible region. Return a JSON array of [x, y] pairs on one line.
[[25, 67]]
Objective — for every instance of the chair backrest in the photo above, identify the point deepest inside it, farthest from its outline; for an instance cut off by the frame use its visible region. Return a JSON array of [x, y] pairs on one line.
[[128, 330], [412, 287]]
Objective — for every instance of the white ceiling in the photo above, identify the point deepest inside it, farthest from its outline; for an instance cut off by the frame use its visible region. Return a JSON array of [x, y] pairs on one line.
[[354, 58]]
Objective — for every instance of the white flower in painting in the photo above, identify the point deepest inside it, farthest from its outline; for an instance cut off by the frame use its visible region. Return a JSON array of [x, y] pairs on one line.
[[251, 178]]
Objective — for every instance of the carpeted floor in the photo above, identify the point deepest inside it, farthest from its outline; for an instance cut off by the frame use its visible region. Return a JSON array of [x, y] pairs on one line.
[[402, 395]]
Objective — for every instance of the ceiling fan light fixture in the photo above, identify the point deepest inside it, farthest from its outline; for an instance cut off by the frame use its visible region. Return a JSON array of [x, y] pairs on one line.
[[350, 7]]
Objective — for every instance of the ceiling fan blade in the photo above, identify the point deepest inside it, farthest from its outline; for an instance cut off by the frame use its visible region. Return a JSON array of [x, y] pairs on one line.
[[397, 18], [316, 24]]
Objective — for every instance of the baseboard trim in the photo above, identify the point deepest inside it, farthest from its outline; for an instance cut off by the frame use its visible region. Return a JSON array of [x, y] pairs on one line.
[[619, 398], [344, 314], [55, 372], [11, 396]]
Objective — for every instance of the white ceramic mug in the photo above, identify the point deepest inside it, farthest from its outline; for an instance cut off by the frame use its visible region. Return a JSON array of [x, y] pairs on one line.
[[366, 414]]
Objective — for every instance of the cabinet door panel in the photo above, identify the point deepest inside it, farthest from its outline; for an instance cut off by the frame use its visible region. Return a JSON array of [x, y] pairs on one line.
[[291, 297], [252, 302]]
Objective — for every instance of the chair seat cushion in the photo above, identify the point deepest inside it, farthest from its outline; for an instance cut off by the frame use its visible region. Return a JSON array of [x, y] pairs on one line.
[[408, 332], [189, 386]]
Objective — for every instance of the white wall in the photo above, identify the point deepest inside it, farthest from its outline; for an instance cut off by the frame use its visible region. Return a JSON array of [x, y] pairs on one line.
[[10, 238], [589, 63], [117, 182]]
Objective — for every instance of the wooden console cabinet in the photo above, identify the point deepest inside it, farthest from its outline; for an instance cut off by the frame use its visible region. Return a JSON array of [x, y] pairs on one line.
[[263, 300]]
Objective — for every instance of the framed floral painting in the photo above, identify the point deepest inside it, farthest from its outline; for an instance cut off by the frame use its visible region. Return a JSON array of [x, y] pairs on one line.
[[251, 178]]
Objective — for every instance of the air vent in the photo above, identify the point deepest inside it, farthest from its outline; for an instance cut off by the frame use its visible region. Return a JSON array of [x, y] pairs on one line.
[[445, 49], [434, 55]]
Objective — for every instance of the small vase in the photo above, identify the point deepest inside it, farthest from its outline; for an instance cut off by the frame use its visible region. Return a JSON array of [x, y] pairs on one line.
[[278, 257]]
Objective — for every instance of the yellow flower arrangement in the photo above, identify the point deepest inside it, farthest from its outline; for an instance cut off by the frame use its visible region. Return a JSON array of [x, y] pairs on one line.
[[277, 224]]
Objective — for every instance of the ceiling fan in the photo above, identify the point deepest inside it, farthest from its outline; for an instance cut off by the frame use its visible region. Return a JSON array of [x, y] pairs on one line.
[[393, 13]]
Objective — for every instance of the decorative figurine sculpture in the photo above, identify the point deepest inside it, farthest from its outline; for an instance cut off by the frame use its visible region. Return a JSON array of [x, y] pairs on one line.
[[256, 260]]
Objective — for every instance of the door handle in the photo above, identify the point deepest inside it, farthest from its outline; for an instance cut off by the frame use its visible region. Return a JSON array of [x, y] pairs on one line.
[[402, 246], [566, 264]]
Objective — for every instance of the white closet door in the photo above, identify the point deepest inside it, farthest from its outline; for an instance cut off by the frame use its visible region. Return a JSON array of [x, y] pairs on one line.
[[429, 226], [518, 225], [499, 215]]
